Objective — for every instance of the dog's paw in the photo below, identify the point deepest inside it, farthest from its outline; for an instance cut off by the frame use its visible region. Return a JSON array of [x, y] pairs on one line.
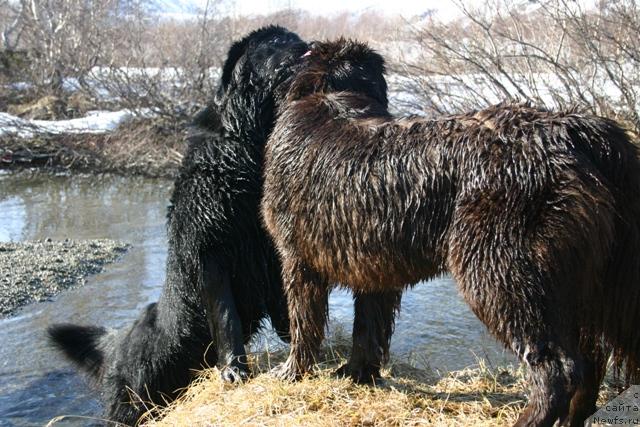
[[287, 371], [365, 374], [234, 374]]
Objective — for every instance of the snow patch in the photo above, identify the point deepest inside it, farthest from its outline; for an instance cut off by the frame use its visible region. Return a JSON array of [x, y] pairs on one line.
[[94, 122]]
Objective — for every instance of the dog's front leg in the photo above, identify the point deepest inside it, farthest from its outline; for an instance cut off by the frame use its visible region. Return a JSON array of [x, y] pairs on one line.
[[224, 323], [308, 301]]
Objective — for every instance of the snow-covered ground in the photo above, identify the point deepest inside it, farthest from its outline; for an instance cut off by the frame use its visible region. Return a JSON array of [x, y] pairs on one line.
[[94, 122]]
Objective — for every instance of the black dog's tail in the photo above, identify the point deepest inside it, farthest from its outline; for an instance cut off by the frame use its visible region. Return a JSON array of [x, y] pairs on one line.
[[82, 345]]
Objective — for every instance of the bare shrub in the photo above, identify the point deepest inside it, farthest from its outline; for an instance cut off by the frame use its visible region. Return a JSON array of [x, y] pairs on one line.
[[10, 25], [371, 26], [117, 53], [164, 67], [554, 53], [122, 54], [62, 38]]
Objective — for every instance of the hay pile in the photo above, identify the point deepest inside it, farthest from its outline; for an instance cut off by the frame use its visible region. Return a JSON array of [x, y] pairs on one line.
[[407, 396]]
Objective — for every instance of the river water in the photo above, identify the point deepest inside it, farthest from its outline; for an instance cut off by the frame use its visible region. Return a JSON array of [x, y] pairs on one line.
[[435, 326]]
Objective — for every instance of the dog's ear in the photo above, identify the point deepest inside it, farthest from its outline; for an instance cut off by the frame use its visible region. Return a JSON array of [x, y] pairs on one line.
[[235, 53], [305, 84], [81, 345], [357, 67]]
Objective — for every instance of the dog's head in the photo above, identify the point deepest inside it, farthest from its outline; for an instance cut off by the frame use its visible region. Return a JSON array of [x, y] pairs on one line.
[[341, 65], [253, 77], [264, 56]]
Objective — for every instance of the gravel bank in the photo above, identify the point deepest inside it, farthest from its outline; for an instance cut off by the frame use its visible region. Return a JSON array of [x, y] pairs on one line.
[[35, 271]]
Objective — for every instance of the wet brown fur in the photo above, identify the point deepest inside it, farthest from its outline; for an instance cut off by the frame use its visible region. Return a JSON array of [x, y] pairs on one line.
[[536, 215]]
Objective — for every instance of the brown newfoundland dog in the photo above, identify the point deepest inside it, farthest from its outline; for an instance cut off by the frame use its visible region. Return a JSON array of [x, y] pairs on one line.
[[536, 215]]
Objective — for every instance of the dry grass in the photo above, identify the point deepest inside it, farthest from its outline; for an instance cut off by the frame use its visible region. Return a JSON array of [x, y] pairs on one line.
[[406, 396]]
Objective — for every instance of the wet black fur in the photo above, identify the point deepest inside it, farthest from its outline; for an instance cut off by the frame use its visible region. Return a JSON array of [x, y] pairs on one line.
[[223, 276]]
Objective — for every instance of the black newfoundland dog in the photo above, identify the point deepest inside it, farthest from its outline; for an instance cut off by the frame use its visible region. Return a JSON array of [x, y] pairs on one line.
[[223, 275], [536, 214]]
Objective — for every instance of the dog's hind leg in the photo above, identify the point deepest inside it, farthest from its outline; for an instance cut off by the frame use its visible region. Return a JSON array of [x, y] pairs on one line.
[[515, 299], [583, 403], [554, 377], [527, 262], [372, 329], [549, 350], [308, 299], [513, 308]]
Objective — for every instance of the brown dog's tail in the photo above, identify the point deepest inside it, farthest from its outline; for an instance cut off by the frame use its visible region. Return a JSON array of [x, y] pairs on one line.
[[621, 306], [617, 314], [623, 322]]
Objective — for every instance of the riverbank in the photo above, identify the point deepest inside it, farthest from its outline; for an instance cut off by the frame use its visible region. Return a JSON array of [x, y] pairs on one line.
[[140, 146], [35, 271]]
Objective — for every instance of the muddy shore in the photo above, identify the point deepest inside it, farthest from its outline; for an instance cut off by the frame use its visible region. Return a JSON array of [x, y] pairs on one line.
[[35, 271]]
